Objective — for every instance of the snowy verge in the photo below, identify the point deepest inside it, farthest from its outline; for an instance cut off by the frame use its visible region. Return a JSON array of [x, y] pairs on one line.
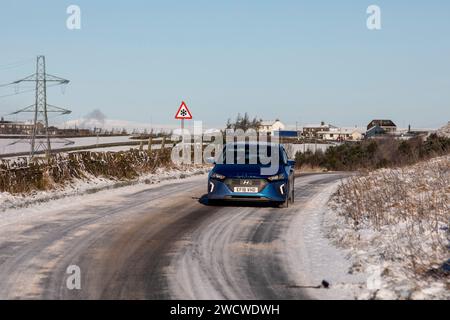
[[312, 257], [395, 225], [95, 184]]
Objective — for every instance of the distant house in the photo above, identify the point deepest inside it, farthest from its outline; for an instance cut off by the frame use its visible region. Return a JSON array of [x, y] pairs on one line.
[[387, 125], [312, 131], [76, 132], [375, 132], [23, 128], [270, 126], [341, 134]]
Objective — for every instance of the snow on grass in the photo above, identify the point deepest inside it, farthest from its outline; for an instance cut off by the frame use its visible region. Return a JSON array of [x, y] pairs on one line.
[[444, 131], [11, 145], [396, 224], [92, 184], [312, 257]]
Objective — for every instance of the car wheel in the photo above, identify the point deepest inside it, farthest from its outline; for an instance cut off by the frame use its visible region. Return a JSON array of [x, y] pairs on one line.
[[212, 202], [293, 195], [285, 204]]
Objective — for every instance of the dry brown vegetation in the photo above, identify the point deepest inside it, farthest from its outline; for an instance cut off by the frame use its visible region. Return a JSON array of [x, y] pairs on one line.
[[408, 208], [24, 175], [376, 154]]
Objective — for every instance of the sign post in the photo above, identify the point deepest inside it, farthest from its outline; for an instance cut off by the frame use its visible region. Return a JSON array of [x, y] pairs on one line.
[[183, 113]]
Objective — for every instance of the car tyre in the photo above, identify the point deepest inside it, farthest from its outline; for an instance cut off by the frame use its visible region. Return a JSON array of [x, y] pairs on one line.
[[285, 204], [293, 194], [212, 202]]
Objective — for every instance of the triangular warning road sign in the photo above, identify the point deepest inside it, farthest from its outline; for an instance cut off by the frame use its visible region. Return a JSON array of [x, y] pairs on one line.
[[183, 112]]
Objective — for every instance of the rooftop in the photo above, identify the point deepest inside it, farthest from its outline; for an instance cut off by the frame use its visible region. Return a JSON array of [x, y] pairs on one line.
[[269, 122], [382, 123]]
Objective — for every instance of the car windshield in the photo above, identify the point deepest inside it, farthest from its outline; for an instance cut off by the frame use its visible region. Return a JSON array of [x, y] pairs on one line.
[[249, 154]]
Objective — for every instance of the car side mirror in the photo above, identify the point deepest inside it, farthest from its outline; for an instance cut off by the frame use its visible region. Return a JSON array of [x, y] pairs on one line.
[[291, 163], [211, 160]]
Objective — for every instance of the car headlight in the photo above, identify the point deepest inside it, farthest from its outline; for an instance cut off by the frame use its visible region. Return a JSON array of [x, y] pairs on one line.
[[277, 177], [217, 176]]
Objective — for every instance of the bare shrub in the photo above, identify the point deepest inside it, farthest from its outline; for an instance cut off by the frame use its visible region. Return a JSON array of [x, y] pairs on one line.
[[23, 175], [408, 206]]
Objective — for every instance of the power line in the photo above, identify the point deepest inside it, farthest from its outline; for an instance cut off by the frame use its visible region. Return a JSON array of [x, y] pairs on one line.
[[12, 66], [24, 91], [6, 84], [16, 64]]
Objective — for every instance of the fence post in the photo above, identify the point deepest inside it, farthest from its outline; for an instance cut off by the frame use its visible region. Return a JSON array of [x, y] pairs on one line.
[[163, 143], [150, 144], [141, 146]]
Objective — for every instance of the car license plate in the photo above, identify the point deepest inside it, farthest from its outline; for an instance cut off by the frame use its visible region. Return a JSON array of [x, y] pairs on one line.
[[246, 189]]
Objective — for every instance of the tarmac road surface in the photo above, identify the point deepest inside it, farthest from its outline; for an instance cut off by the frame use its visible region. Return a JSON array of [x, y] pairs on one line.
[[161, 242]]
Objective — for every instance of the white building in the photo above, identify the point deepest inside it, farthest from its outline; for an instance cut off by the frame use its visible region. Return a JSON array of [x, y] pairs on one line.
[[270, 126], [312, 130], [341, 134]]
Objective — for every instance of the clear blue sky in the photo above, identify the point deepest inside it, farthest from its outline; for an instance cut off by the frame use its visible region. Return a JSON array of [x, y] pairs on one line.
[[302, 61]]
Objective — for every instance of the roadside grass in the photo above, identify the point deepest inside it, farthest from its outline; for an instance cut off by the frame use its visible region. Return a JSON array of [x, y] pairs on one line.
[[23, 176], [408, 210], [375, 154]]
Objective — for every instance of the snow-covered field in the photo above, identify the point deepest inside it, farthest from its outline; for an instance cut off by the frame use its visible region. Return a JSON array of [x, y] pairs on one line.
[[13, 146], [395, 224], [8, 146], [126, 148]]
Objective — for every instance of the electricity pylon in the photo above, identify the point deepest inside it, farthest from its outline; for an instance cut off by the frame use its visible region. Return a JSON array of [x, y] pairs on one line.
[[40, 108]]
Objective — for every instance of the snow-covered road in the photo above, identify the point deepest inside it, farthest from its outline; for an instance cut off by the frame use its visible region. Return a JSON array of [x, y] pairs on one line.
[[162, 241]]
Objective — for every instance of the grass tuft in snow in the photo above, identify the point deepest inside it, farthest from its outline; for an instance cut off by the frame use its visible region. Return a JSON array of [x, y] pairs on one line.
[[399, 220]]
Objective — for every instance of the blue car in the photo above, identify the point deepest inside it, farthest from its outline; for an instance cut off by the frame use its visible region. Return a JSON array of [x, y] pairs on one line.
[[240, 173]]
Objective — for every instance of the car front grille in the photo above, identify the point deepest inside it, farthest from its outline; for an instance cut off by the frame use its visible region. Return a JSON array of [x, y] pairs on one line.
[[259, 183]]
